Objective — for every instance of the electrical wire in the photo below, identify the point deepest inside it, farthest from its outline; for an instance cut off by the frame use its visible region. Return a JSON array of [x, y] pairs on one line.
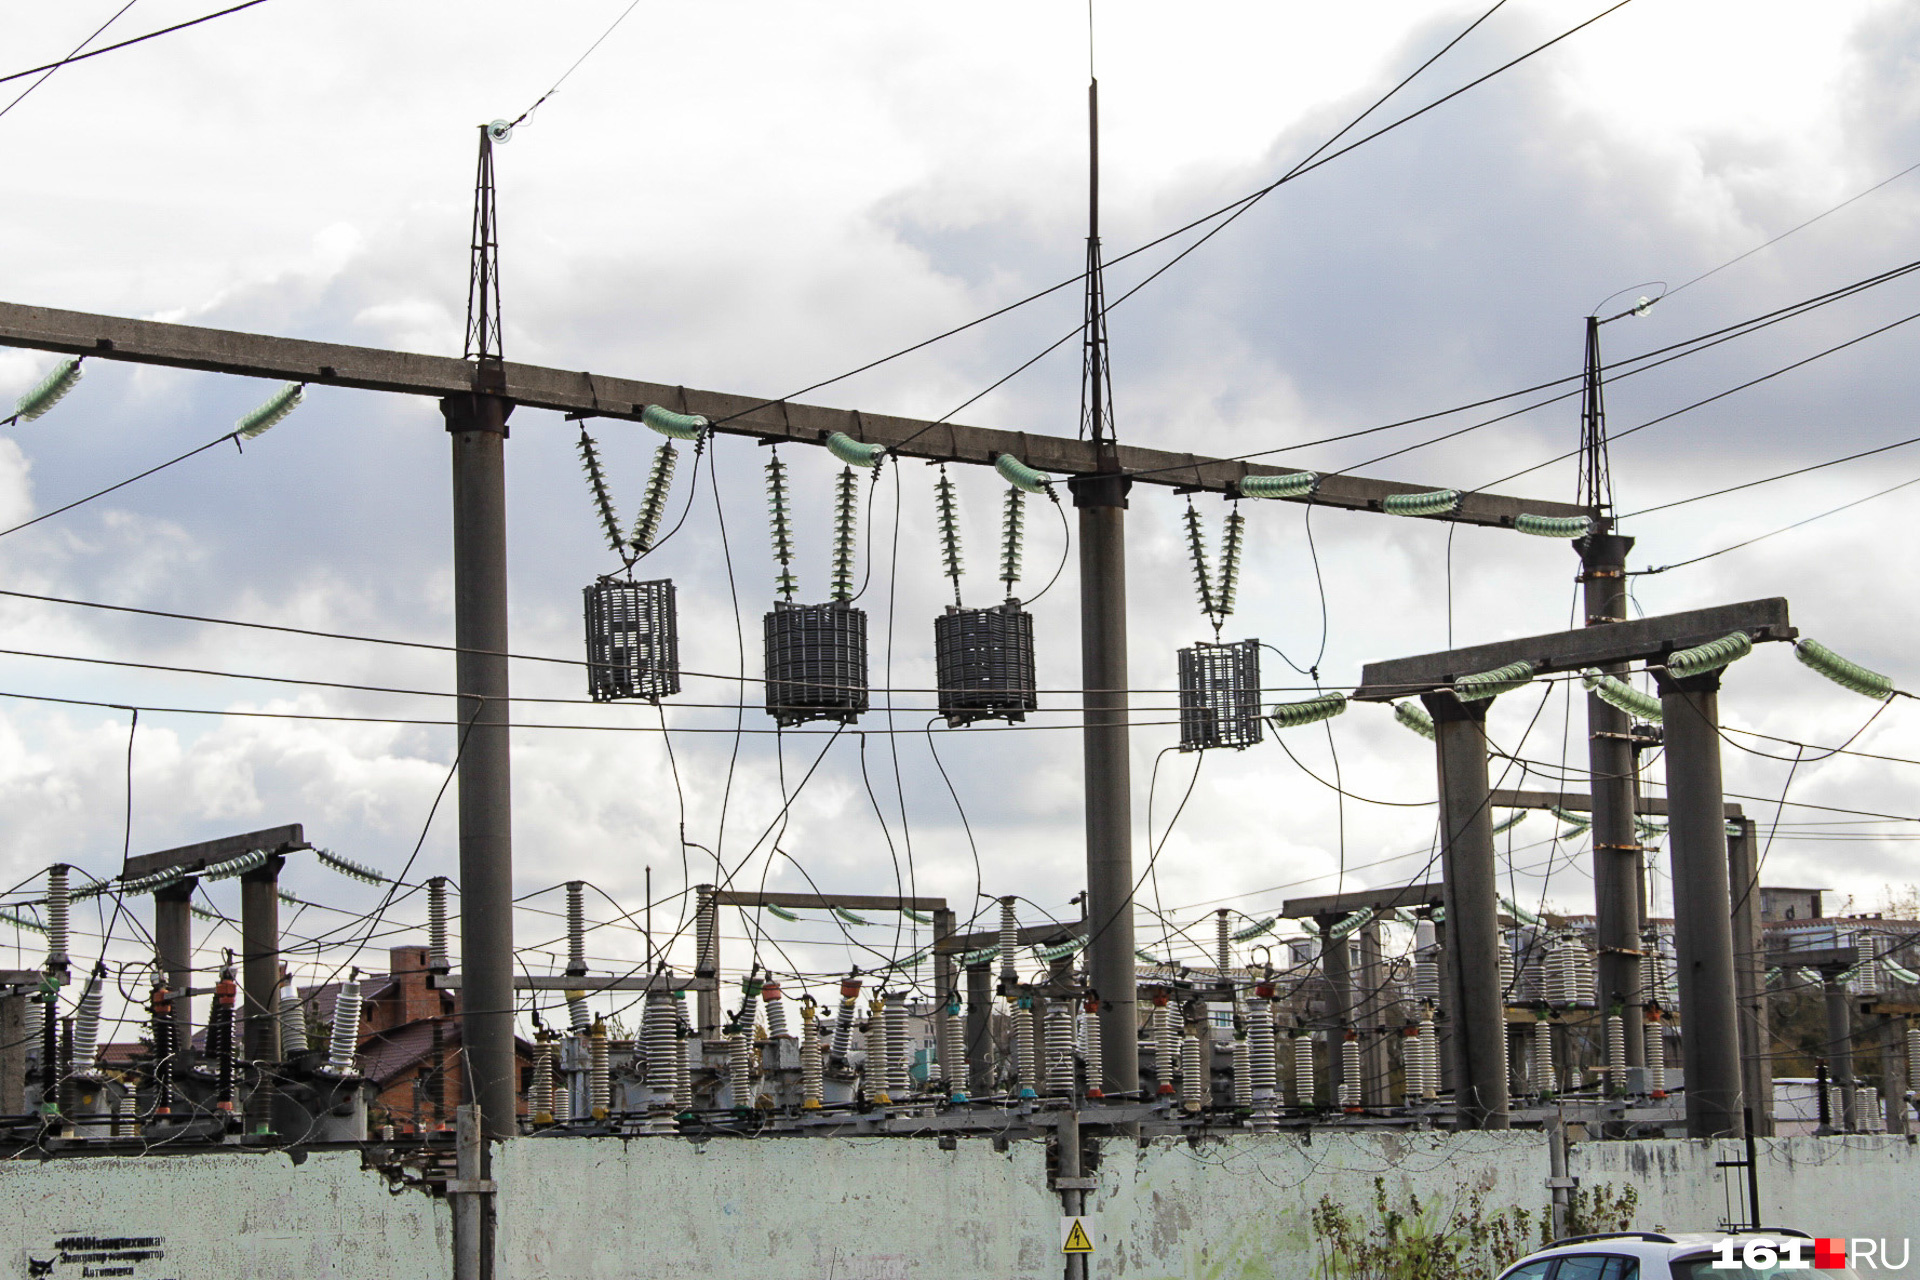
[[1784, 475], [1831, 511], [82, 57], [117, 14]]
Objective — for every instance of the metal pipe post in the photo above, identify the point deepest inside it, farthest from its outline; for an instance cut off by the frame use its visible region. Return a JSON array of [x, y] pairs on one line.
[[1473, 912], [1840, 1045], [260, 981], [478, 424], [1102, 503], [173, 952], [1336, 966], [1616, 840], [1893, 1075], [1702, 905], [472, 1259], [1073, 1196], [1750, 975]]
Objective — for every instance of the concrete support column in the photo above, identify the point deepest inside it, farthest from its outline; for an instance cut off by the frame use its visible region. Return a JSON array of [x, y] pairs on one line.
[[1840, 1047], [260, 981], [1616, 840], [980, 1029], [1336, 965], [1372, 1016], [1102, 503], [1702, 906], [1473, 912], [478, 425], [173, 952]]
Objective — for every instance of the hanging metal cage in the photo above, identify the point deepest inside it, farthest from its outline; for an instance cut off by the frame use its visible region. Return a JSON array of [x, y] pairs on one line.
[[1220, 695], [633, 640], [816, 662], [984, 663]]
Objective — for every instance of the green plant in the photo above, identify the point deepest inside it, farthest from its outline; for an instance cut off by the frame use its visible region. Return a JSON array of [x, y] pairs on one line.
[[1419, 1241]]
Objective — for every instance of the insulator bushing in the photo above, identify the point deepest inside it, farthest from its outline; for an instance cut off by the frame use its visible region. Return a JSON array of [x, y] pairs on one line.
[[633, 640], [660, 1040], [1090, 1052], [1009, 941], [1303, 1086], [541, 1101], [1027, 1018], [59, 901], [576, 927], [894, 1013], [682, 1077], [843, 1024], [1223, 941], [749, 1004], [599, 1073], [1616, 1053], [1263, 1070], [294, 1038], [579, 1017], [810, 1073], [1546, 1080], [1194, 1085], [1059, 1037], [1430, 1059], [1166, 1048], [345, 1043], [776, 1010], [86, 1021], [706, 933], [1350, 1071], [1242, 1074], [740, 1067], [1656, 1058], [877, 1059], [437, 956], [1913, 1057]]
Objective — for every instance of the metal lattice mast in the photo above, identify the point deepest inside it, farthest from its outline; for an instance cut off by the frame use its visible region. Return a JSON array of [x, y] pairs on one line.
[[1596, 480], [483, 279], [1096, 380]]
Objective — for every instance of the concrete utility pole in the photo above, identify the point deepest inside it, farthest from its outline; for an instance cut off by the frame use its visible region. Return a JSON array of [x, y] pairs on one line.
[[1336, 966], [1833, 984], [260, 980], [1702, 905], [1372, 1016], [1616, 839], [1473, 912], [478, 423]]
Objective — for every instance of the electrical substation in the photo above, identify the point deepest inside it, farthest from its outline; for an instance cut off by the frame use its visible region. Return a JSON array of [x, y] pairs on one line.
[[1421, 1016]]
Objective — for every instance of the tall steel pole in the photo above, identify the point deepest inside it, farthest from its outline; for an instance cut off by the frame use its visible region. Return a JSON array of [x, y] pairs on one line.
[[1616, 840], [1473, 912], [1102, 502], [1702, 905], [478, 424]]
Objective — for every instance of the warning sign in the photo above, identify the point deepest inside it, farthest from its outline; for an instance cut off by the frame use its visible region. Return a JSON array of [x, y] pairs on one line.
[[1074, 1236]]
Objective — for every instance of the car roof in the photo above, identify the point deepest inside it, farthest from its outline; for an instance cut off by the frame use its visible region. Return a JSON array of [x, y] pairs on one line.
[[1649, 1245]]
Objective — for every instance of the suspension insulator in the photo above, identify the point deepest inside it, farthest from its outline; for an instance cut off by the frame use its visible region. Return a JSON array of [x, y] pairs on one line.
[[49, 391], [1020, 475], [1616, 692], [1296, 484], [1846, 674], [1491, 684], [1291, 715], [681, 426], [1415, 717], [1436, 502], [1553, 526], [1711, 656], [855, 453]]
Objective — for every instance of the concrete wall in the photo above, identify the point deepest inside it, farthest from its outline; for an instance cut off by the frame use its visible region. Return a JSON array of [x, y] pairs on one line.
[[881, 1209], [253, 1215]]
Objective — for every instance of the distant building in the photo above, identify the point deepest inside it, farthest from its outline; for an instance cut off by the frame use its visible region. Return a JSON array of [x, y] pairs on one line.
[[1789, 904]]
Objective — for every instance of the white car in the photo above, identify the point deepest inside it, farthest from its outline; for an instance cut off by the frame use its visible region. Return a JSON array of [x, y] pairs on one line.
[[1647, 1255]]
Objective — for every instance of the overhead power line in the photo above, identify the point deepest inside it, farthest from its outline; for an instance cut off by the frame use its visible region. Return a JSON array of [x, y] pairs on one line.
[[124, 44], [117, 15]]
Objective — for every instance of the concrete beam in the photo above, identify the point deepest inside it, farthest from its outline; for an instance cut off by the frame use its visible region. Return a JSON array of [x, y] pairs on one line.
[[196, 857], [825, 901], [576, 392], [1580, 802], [1341, 904], [1032, 935], [1641, 640]]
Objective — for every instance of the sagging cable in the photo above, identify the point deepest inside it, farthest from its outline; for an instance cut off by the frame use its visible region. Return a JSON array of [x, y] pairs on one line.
[[1616, 692], [1553, 526], [1297, 484], [1491, 684], [267, 416], [1437, 502], [1711, 656], [48, 392], [681, 426], [854, 453], [1291, 715], [1845, 673], [1021, 476]]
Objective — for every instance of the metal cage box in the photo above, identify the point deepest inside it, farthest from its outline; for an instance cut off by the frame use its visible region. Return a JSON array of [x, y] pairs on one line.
[[633, 640], [1220, 695], [984, 661], [816, 662]]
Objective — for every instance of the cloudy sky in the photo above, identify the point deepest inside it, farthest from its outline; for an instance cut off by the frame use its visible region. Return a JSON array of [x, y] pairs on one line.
[[756, 197]]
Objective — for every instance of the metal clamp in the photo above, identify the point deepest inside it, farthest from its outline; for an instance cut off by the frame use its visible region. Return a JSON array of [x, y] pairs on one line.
[[1076, 1184], [471, 1186]]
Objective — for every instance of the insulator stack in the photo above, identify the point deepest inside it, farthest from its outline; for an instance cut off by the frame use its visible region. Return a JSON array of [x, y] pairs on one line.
[[1913, 1057], [946, 1036], [1506, 972], [1589, 992], [1009, 941], [1223, 941], [345, 1042], [1263, 1069], [576, 927], [579, 1017], [59, 900], [659, 1040], [599, 1073], [540, 1103], [1545, 1078], [437, 959], [1166, 1046], [899, 1079], [1656, 1058], [293, 1023], [1560, 972], [219, 1039], [876, 1067], [1866, 948], [810, 1072], [1193, 1074], [1242, 1073], [1026, 1024], [843, 1025], [1616, 1053], [1059, 1025], [740, 1065], [706, 934], [1090, 1053], [1430, 1058], [1350, 1070], [749, 1004], [86, 1021], [164, 1030], [1506, 1046], [562, 1092], [1303, 1068], [1863, 1109], [776, 1010], [1413, 1071]]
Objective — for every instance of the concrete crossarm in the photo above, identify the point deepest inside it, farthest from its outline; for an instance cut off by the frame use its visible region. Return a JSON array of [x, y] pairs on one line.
[[195, 857], [1343, 904], [825, 901], [575, 392], [1641, 640], [1581, 802]]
